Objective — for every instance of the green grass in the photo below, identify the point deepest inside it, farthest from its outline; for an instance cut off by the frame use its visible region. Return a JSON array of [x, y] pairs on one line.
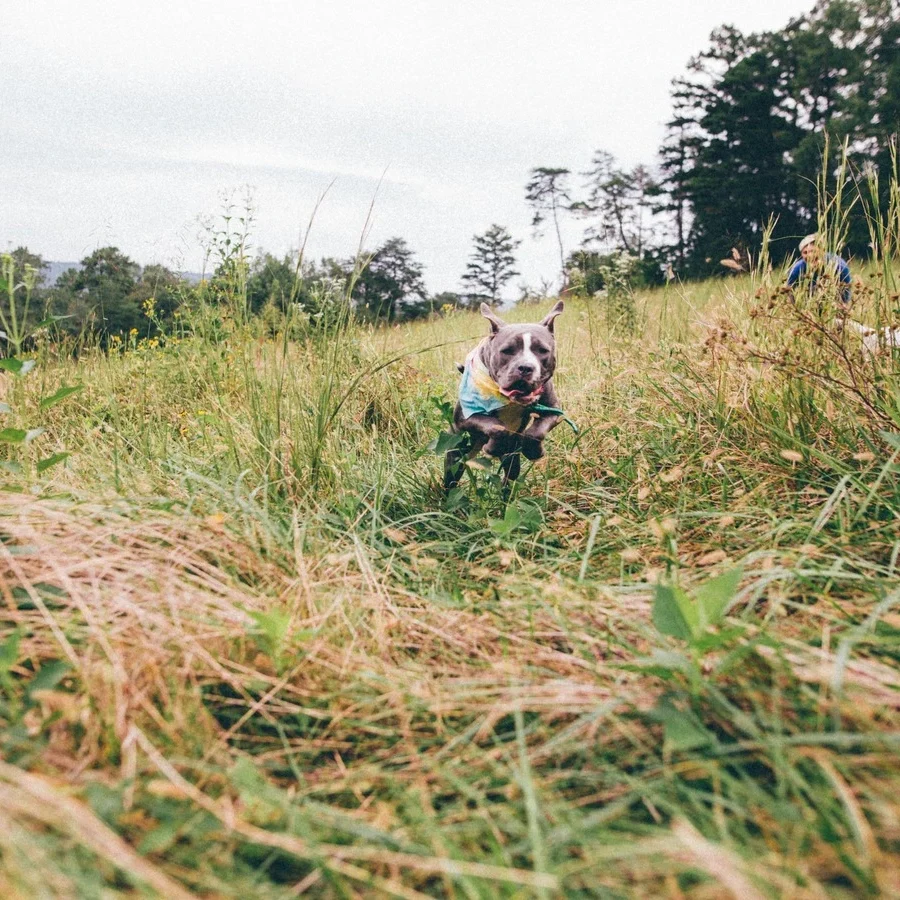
[[247, 650]]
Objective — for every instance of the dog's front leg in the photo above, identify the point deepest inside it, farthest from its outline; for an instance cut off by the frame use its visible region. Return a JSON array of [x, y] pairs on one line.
[[479, 424], [452, 469], [511, 465], [533, 436], [488, 435]]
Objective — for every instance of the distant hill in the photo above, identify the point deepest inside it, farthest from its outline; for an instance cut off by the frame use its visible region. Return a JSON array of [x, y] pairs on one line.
[[55, 269]]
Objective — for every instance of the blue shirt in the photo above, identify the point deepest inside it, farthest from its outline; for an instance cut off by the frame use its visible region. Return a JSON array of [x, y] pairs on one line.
[[799, 270]]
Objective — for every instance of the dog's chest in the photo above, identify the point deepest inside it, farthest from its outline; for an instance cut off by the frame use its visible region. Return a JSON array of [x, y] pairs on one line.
[[514, 417]]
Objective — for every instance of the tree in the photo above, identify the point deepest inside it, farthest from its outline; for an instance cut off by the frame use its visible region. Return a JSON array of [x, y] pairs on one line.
[[620, 202], [23, 258], [390, 287], [157, 294], [271, 280], [548, 194], [99, 294], [491, 265], [734, 163], [751, 118], [673, 198], [447, 301]]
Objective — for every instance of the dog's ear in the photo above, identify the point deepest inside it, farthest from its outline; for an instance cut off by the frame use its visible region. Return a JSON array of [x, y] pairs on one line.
[[547, 321], [488, 313]]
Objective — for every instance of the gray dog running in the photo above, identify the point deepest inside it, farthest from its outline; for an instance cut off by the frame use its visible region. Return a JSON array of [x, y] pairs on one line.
[[507, 403]]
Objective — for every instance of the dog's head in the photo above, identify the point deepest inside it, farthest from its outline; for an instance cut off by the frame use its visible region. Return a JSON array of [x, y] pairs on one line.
[[521, 358]]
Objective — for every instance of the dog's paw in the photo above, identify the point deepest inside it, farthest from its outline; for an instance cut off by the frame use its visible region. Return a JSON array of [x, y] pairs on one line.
[[532, 448], [502, 444]]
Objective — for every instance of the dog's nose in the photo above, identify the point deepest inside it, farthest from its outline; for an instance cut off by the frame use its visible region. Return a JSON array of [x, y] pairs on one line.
[[526, 370]]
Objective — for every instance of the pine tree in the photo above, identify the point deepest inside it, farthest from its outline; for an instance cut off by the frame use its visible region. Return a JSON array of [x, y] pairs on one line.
[[548, 194], [391, 285], [491, 265]]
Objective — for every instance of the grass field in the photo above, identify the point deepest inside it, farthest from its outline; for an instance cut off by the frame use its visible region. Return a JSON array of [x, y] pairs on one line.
[[248, 649]]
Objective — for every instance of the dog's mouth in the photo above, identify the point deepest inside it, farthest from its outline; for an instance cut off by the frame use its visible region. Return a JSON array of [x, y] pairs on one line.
[[523, 392]]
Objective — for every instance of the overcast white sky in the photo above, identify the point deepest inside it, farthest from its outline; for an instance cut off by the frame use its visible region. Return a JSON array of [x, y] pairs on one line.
[[122, 122]]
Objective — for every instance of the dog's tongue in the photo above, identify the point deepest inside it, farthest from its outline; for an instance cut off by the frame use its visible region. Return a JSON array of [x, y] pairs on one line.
[[524, 396]]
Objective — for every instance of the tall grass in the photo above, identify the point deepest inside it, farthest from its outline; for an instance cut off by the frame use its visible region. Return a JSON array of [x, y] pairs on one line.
[[247, 650]]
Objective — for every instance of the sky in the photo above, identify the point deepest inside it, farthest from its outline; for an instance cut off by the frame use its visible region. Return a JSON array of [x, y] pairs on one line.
[[129, 124]]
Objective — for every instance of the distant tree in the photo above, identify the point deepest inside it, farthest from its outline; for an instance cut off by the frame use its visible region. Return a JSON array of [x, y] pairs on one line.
[[99, 295], [751, 118], [23, 257], [491, 265], [547, 192], [591, 270], [620, 202], [673, 199], [158, 292], [390, 287], [272, 280], [730, 148]]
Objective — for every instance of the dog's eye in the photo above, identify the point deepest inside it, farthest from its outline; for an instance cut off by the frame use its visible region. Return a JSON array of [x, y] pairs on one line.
[[541, 351], [508, 351]]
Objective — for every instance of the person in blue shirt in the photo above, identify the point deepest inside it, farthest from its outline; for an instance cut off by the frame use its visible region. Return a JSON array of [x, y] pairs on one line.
[[813, 264]]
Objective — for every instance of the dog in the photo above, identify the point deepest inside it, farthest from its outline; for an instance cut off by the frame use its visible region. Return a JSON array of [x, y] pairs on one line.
[[507, 404], [874, 340]]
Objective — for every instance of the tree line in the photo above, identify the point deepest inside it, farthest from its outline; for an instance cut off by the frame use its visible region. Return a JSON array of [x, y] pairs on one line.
[[110, 295], [744, 147]]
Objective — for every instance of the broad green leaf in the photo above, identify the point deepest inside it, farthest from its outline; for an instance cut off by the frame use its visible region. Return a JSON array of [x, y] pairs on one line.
[[716, 640], [669, 607], [682, 730], [11, 364], [13, 435], [61, 394], [246, 777], [9, 652], [272, 633], [50, 320], [445, 441], [663, 663], [457, 499], [51, 674], [714, 596], [159, 839], [511, 520], [106, 802], [51, 461], [532, 517], [263, 802]]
